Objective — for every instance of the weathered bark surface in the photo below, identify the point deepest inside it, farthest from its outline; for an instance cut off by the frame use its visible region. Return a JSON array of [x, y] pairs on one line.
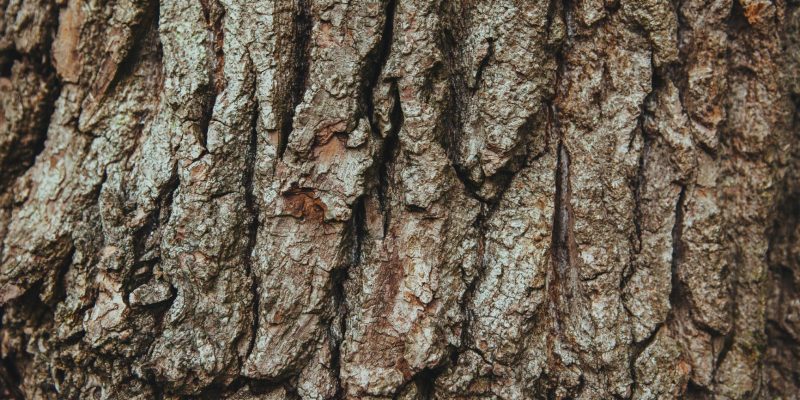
[[451, 199]]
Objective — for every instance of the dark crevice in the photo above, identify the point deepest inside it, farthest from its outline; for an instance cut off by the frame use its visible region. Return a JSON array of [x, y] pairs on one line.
[[371, 73], [562, 279], [142, 236], [376, 61], [469, 294], [554, 11], [155, 386], [264, 386], [426, 383], [472, 188], [301, 47], [389, 152], [59, 291], [737, 21], [638, 182], [731, 273], [456, 72], [7, 59], [522, 157], [337, 333], [712, 152], [782, 354], [253, 223], [728, 338], [503, 179], [727, 345], [695, 391], [452, 123], [678, 297], [167, 196], [213, 14], [338, 324], [483, 64], [560, 235], [256, 387], [657, 82], [358, 232], [39, 305], [453, 72], [30, 144], [636, 351], [147, 238], [10, 379], [254, 292], [145, 25]]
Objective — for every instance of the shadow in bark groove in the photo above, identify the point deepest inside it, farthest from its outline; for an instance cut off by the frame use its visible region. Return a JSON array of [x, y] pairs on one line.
[[301, 48], [389, 152], [213, 13], [372, 70], [562, 283], [253, 224]]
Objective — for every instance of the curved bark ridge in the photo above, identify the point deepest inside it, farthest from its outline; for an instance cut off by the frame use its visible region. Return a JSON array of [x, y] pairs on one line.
[[268, 199]]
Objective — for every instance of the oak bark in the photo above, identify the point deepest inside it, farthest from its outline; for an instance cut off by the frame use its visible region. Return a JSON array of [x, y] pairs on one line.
[[411, 199]]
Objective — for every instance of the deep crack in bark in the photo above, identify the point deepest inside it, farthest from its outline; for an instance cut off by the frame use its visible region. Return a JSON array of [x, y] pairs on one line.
[[561, 284], [253, 223], [390, 148], [374, 68], [301, 47]]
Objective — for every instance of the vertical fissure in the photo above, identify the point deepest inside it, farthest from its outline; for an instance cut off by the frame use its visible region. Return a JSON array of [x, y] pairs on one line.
[[373, 69], [561, 288], [146, 251], [253, 224], [677, 296], [213, 13], [561, 232], [390, 143], [377, 58], [782, 272], [425, 382], [389, 150], [637, 184], [300, 54], [30, 145], [561, 279], [103, 85], [10, 379], [338, 325], [482, 65], [452, 70]]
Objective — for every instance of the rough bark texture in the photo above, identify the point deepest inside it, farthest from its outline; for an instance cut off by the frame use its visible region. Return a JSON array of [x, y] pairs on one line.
[[374, 199]]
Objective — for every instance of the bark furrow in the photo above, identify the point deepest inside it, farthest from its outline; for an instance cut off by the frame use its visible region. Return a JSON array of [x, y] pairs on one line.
[[399, 199]]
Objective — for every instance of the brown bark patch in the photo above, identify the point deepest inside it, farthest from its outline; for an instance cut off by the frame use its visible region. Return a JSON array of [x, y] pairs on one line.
[[66, 57], [303, 203], [756, 11]]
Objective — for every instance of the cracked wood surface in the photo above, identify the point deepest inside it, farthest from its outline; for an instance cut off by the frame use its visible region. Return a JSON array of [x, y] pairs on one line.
[[400, 199]]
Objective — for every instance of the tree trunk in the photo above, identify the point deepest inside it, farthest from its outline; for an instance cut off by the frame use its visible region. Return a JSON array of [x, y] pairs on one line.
[[411, 199]]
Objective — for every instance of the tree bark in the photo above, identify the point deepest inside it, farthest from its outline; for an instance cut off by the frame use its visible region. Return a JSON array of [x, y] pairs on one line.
[[410, 199]]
